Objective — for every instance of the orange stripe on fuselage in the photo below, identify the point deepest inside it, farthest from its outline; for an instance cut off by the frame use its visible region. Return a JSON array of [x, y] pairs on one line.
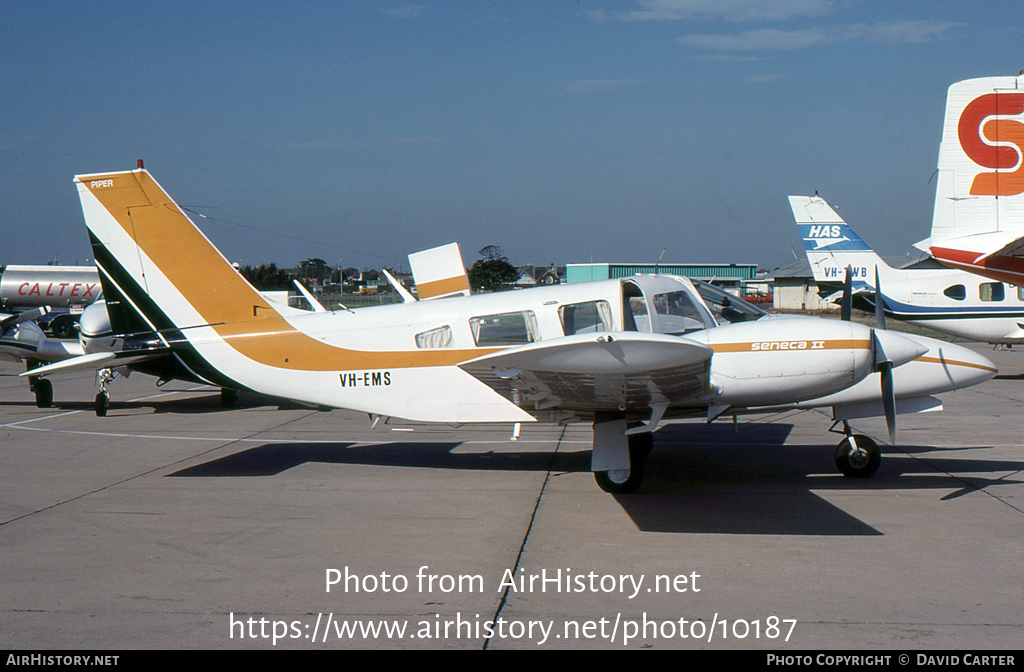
[[792, 345], [954, 362], [224, 299]]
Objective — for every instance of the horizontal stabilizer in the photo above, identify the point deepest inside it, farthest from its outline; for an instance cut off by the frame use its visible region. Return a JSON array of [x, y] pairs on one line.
[[97, 360]]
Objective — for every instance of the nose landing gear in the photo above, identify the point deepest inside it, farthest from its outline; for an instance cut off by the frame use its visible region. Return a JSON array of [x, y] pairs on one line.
[[857, 456]]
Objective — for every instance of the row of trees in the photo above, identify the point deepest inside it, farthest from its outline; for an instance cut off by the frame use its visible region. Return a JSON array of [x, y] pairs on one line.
[[492, 273]]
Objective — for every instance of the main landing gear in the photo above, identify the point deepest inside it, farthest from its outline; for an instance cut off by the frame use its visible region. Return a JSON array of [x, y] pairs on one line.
[[43, 390], [622, 454], [41, 387], [857, 456], [103, 378]]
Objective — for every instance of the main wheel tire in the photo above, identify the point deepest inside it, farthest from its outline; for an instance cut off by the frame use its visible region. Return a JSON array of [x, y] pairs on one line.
[[228, 397], [858, 456], [622, 481], [44, 393], [102, 403], [62, 326]]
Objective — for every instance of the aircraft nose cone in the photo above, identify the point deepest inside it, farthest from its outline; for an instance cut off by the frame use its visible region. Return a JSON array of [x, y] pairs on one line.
[[896, 348]]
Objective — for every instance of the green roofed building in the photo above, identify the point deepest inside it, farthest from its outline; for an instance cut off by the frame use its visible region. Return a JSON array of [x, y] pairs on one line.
[[727, 276]]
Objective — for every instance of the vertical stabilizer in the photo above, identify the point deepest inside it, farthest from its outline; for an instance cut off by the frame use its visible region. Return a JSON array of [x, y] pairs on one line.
[[159, 268], [832, 245], [980, 186], [439, 272]]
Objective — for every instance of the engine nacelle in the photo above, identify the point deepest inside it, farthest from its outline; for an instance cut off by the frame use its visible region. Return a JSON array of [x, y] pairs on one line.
[[784, 359]]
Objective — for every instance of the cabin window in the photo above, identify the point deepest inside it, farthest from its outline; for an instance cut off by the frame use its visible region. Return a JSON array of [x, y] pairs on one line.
[[1020, 293], [435, 338], [505, 328], [585, 318], [991, 291], [676, 314], [956, 292]]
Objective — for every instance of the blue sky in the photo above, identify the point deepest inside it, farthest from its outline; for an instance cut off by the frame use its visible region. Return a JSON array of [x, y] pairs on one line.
[[562, 131]]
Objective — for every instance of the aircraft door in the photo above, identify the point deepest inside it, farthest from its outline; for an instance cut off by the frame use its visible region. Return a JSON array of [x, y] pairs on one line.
[[635, 315]]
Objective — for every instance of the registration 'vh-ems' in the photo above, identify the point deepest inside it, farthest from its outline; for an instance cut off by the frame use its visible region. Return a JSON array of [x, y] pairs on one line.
[[627, 355]]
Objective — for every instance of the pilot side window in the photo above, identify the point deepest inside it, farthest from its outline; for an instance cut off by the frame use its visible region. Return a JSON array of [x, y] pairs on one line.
[[435, 338], [676, 314], [991, 291], [956, 292], [505, 328], [585, 318]]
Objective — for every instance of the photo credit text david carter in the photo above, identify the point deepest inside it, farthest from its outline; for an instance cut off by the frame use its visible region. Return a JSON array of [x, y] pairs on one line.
[[613, 627]]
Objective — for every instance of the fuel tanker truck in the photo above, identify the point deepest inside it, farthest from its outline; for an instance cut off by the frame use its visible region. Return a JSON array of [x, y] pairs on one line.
[[66, 290]]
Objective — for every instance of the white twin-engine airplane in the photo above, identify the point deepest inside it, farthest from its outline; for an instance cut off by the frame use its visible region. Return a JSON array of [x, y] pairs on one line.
[[955, 302], [978, 223], [625, 354]]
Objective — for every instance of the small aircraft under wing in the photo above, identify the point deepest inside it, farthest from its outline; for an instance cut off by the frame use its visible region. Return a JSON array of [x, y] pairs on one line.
[[978, 223], [948, 300], [625, 354], [22, 339]]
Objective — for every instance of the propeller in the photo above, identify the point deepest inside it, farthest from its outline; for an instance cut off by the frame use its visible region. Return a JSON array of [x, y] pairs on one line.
[[18, 318], [846, 303], [883, 364]]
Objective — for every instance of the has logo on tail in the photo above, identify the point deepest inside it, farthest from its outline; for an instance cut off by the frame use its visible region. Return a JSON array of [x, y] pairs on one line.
[[830, 237]]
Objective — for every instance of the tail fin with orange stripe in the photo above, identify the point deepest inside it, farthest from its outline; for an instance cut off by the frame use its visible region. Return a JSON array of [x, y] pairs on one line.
[[160, 269]]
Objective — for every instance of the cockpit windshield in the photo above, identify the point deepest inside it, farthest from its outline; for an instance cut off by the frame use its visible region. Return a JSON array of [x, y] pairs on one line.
[[725, 306], [675, 313]]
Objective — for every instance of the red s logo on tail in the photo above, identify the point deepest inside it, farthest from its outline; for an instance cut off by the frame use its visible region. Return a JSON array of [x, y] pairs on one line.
[[1001, 158]]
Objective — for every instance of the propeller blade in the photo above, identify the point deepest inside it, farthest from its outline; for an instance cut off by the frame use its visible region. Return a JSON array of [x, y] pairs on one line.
[[18, 318], [889, 400], [846, 303], [879, 303]]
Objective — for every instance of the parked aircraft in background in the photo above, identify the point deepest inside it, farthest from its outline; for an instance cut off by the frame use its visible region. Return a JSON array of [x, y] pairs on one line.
[[978, 222], [955, 302], [64, 290], [625, 354]]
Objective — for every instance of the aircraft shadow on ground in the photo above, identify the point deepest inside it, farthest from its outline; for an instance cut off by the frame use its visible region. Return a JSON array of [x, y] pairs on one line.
[[701, 479], [194, 403]]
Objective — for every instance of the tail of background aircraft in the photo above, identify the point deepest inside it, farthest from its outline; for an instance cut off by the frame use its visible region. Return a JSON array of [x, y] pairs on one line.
[[979, 198], [831, 246]]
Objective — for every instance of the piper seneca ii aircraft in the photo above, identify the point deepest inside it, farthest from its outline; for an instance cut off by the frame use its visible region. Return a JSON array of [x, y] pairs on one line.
[[627, 355]]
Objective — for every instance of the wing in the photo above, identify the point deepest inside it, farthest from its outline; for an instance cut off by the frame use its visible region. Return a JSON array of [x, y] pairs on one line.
[[587, 373]]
